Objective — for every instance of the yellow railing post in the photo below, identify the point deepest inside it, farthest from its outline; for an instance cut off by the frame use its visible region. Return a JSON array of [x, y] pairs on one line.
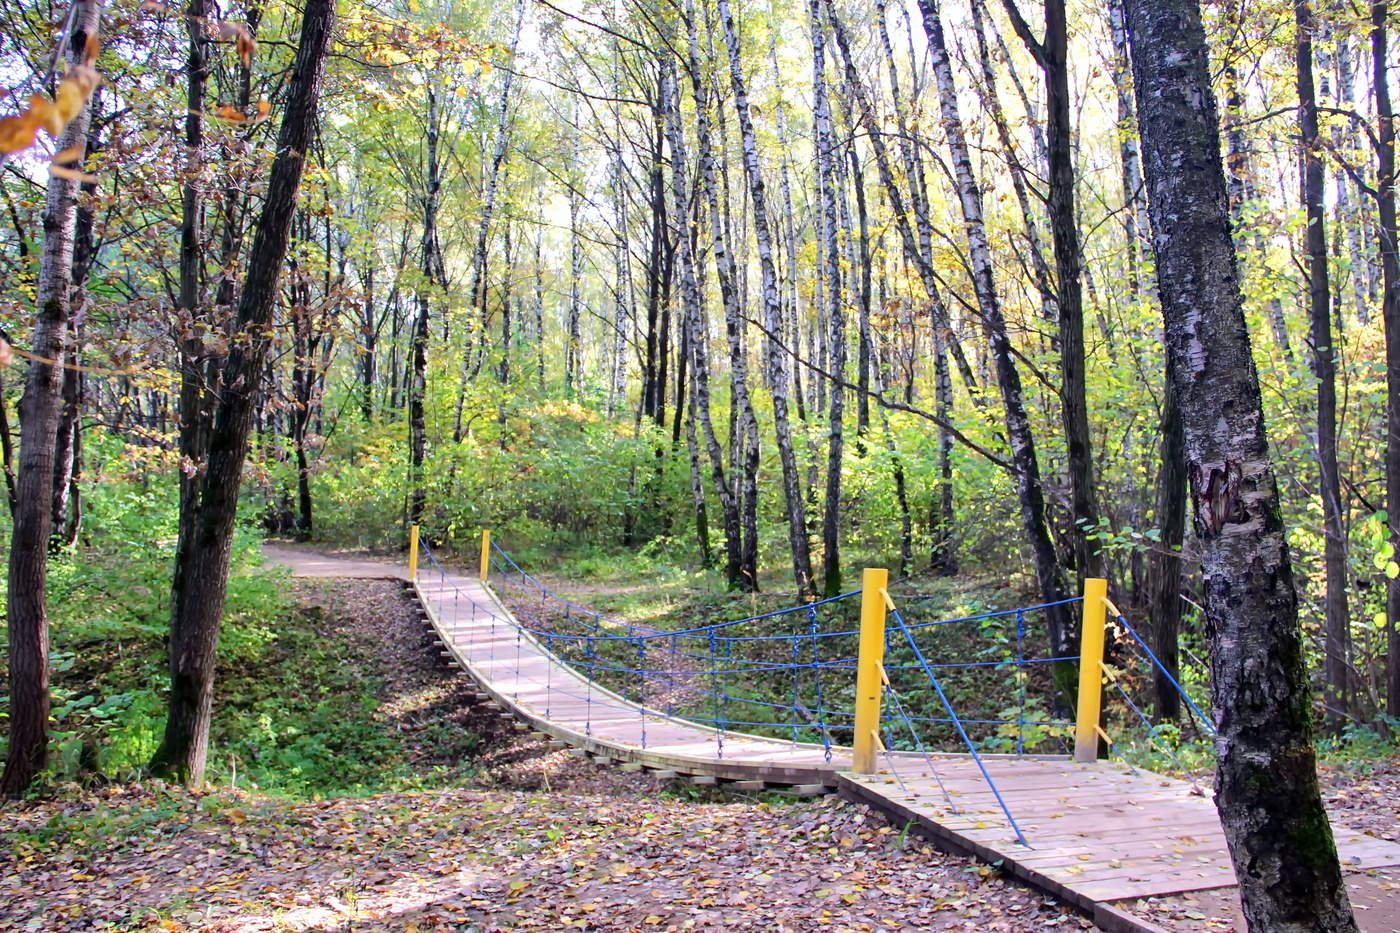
[[870, 669], [1086, 728], [485, 554], [412, 553]]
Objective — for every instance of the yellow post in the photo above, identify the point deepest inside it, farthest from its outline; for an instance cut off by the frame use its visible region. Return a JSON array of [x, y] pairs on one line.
[[1086, 728], [413, 552], [485, 554], [870, 669]]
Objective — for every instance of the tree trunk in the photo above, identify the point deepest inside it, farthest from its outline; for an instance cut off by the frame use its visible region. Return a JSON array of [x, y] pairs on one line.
[[476, 292], [828, 248], [416, 376], [1238, 180], [1164, 565], [201, 571], [1266, 785], [1018, 429], [370, 334], [1052, 53], [778, 369], [1337, 697], [744, 435], [1390, 317], [27, 605]]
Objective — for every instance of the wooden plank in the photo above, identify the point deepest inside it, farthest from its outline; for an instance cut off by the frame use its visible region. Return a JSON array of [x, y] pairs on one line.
[[1098, 831]]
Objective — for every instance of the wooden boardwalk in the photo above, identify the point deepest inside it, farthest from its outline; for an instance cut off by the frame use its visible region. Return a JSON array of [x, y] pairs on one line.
[[1097, 833]]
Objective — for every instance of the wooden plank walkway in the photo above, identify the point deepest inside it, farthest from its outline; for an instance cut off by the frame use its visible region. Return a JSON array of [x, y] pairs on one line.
[[1097, 833]]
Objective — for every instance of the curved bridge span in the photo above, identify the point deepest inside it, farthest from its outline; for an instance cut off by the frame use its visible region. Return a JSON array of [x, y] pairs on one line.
[[1089, 832]]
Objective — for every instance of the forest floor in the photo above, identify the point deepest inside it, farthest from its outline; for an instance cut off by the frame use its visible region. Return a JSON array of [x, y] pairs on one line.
[[529, 839], [513, 835]]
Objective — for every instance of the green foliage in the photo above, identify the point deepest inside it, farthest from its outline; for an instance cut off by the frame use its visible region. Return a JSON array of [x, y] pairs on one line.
[[296, 704]]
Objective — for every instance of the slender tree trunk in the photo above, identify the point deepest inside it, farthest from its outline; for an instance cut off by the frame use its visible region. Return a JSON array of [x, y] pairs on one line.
[[1266, 781], [1390, 317], [1018, 429], [26, 606], [1324, 363], [744, 434], [507, 319], [778, 368], [991, 101], [416, 374], [539, 311], [573, 336], [692, 339], [1052, 53], [1164, 564], [1239, 181], [369, 335], [829, 251], [476, 293], [864, 352], [791, 298], [201, 575]]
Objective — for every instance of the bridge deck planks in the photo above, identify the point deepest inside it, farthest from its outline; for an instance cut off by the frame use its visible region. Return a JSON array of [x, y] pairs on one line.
[[1098, 832]]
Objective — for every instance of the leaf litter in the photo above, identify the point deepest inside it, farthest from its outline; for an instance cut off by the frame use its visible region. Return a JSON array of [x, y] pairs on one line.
[[519, 837]]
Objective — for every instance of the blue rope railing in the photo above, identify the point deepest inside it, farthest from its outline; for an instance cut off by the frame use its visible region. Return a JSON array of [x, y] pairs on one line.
[[770, 672], [962, 732]]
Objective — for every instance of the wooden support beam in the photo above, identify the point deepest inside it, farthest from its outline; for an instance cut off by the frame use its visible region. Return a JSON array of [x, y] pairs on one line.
[[809, 790], [630, 766], [748, 785], [704, 780], [665, 775]]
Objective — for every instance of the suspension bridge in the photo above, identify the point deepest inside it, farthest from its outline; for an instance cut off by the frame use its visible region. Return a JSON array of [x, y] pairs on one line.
[[857, 694]]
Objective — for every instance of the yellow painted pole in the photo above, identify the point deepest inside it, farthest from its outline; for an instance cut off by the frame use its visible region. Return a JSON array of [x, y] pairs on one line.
[[870, 669], [413, 552], [485, 554], [1086, 728]]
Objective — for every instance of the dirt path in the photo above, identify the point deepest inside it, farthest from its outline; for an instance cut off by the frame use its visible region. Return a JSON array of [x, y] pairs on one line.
[[305, 561]]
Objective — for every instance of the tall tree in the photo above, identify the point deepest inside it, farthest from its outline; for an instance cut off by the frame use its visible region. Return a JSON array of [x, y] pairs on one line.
[[779, 369], [1266, 786], [26, 597], [201, 572], [1018, 427], [741, 566], [1324, 365], [477, 291], [1390, 315], [1051, 52], [830, 269]]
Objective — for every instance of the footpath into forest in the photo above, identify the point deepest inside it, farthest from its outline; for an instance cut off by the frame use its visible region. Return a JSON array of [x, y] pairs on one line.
[[1102, 836]]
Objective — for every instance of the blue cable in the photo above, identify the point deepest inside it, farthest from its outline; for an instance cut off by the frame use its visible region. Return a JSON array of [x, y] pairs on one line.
[[986, 775]]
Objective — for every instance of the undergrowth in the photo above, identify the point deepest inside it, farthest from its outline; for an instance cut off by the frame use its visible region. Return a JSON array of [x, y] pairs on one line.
[[296, 702]]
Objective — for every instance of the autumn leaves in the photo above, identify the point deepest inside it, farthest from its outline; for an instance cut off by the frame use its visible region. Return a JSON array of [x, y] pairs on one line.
[[21, 132], [18, 133]]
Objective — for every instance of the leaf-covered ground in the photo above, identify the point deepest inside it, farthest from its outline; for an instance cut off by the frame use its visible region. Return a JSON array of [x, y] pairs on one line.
[[527, 839], [497, 831]]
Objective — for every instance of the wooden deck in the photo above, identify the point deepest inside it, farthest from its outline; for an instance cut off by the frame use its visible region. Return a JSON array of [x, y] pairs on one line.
[[1097, 833]]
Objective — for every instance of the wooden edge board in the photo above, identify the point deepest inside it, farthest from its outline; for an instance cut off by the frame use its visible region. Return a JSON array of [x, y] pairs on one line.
[[1113, 919], [941, 837]]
